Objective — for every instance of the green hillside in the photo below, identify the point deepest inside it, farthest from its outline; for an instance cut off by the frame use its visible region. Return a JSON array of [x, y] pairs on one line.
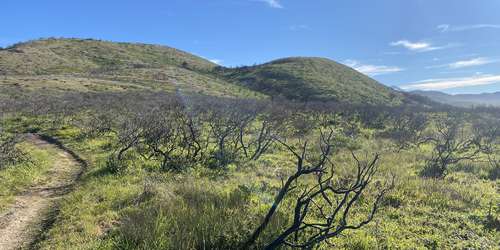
[[313, 79], [57, 65], [60, 56], [94, 65]]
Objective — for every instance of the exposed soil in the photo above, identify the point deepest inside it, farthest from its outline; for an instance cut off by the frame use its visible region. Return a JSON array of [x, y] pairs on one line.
[[23, 223]]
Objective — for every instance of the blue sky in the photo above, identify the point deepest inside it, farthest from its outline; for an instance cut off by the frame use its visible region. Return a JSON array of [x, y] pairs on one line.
[[446, 45]]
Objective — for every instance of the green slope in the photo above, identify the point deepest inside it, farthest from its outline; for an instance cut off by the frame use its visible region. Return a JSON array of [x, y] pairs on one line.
[[312, 79], [92, 65], [59, 56]]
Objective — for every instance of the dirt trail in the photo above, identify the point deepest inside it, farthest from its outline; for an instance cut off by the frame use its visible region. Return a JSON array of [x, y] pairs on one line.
[[20, 226]]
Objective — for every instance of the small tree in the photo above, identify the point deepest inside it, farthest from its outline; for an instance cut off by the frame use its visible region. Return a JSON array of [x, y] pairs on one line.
[[322, 210], [97, 124], [129, 134], [452, 143], [407, 130], [489, 129], [226, 120], [259, 135], [172, 136]]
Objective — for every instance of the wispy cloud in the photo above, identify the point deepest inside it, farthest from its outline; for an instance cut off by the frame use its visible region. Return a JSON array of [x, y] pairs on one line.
[[372, 70], [450, 83], [272, 3], [471, 63], [417, 46], [447, 27], [474, 62]]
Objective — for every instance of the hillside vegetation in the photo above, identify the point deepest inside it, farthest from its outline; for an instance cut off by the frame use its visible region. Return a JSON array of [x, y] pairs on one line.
[[62, 56], [61, 65], [298, 153], [123, 66], [197, 172], [301, 78]]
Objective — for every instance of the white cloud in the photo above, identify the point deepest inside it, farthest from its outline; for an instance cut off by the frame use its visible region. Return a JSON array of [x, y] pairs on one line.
[[450, 83], [272, 3], [447, 27], [372, 70], [465, 63], [443, 27], [470, 63], [411, 46], [415, 46]]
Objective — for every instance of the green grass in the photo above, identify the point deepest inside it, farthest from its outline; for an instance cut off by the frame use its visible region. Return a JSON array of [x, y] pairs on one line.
[[182, 80], [110, 211], [18, 178], [93, 65], [57, 66], [142, 208], [63, 56], [313, 79]]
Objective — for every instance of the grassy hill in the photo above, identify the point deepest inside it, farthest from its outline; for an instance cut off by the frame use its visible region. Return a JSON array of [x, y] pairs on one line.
[[60, 56], [303, 78], [57, 65], [93, 65]]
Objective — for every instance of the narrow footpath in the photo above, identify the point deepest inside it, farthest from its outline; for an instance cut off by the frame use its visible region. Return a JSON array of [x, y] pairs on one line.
[[23, 223]]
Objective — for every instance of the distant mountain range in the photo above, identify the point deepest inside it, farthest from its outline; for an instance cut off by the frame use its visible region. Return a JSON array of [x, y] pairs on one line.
[[462, 100]]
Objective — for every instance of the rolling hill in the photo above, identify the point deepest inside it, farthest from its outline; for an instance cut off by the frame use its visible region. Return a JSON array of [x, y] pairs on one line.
[[305, 78], [94, 65], [60, 56]]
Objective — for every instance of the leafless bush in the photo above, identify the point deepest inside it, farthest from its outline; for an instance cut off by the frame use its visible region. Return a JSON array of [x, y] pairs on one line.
[[169, 133], [489, 130], [452, 143], [407, 130], [322, 210]]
